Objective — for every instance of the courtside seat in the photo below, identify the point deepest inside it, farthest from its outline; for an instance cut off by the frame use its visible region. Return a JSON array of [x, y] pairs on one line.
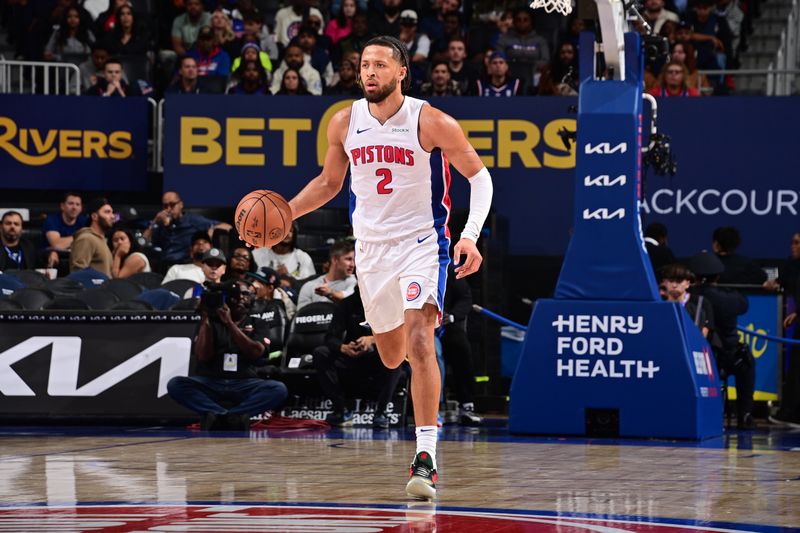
[[306, 332]]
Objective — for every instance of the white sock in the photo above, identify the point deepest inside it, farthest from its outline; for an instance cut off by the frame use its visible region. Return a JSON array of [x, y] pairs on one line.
[[426, 441]]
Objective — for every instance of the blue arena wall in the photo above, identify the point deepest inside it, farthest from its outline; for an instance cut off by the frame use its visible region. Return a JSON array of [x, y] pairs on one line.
[[734, 158]]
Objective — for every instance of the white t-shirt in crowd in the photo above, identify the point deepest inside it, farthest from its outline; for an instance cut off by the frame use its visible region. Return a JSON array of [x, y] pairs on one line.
[[297, 262], [308, 294], [190, 271]]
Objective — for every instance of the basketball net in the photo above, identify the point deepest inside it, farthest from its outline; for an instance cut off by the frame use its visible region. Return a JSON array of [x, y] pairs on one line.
[[562, 6]]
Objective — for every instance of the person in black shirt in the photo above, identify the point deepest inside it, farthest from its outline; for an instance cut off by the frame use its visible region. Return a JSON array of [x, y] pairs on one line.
[[738, 268], [732, 357], [227, 345], [350, 353], [17, 252]]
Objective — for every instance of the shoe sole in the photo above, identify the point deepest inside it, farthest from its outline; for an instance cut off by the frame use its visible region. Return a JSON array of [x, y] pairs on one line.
[[420, 489]]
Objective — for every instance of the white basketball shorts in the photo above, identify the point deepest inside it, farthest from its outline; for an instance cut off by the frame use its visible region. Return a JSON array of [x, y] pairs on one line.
[[401, 274]]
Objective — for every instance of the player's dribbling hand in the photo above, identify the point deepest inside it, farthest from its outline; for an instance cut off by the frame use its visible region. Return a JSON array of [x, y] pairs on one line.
[[467, 258]]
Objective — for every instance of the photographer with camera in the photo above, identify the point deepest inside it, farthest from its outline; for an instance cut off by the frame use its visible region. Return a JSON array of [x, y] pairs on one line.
[[227, 345], [733, 358]]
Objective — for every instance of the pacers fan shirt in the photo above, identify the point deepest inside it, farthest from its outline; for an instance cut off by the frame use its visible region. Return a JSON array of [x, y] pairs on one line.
[[397, 189]]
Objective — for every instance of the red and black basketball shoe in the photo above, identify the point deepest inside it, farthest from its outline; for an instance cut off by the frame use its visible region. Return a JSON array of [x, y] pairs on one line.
[[422, 481]]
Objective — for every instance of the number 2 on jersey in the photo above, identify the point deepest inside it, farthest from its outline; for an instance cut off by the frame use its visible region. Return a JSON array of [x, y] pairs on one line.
[[386, 175]]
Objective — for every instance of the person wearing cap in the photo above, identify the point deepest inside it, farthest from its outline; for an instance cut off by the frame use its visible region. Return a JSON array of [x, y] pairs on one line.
[[418, 44], [89, 247], [289, 19], [732, 357], [200, 244], [211, 59], [214, 264], [227, 345], [269, 306], [268, 285], [252, 52], [498, 83]]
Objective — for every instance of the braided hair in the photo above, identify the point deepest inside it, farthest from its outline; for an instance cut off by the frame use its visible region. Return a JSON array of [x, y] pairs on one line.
[[399, 53]]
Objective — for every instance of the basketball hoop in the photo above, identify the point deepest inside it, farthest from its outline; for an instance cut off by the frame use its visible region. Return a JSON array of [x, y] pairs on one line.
[[562, 6]]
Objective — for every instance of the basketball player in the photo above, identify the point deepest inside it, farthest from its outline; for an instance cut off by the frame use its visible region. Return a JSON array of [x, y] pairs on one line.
[[398, 149]]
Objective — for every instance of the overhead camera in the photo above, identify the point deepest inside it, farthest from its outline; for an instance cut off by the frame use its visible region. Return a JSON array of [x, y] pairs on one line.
[[659, 155]]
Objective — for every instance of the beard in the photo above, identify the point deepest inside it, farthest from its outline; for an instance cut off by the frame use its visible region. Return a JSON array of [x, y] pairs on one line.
[[382, 93]]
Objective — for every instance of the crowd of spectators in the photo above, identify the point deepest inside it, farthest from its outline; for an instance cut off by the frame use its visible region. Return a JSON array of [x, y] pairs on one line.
[[261, 47]]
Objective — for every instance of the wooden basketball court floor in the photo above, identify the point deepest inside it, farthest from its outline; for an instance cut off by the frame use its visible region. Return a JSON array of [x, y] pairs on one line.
[[164, 479]]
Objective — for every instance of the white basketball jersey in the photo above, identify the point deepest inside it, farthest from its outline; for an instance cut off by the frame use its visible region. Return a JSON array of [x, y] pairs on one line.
[[397, 189]]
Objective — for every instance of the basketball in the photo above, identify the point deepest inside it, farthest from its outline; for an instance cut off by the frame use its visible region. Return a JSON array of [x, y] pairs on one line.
[[263, 218]]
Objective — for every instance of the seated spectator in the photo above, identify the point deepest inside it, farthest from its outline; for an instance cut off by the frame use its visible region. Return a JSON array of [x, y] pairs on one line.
[[222, 26], [456, 347], [354, 42], [729, 11], [655, 15], [292, 84], [18, 252], [685, 53], [240, 264], [211, 59], [655, 240], [252, 52], [434, 25], [127, 38], [441, 84], [106, 21], [112, 83], [341, 25], [72, 41], [256, 32], [338, 283], [267, 284], [269, 306], [187, 81], [349, 358], [347, 84], [711, 36], [453, 29], [127, 260], [294, 59], [498, 83], [93, 68], [738, 268], [485, 36], [286, 258], [314, 53], [59, 228], [289, 19], [386, 21], [227, 345], [672, 81], [461, 72], [677, 279], [89, 247], [418, 44], [172, 229], [527, 52], [186, 27], [200, 244], [252, 79], [214, 265], [560, 77]]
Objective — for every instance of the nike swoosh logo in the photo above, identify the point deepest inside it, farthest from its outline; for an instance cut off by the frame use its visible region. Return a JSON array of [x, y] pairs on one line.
[[420, 241], [362, 131], [425, 430]]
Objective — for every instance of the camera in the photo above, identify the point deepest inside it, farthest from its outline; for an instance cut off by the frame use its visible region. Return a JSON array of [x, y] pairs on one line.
[[655, 48], [659, 155], [217, 294]]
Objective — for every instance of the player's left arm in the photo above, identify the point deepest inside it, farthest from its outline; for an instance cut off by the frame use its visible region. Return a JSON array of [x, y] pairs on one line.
[[440, 130]]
